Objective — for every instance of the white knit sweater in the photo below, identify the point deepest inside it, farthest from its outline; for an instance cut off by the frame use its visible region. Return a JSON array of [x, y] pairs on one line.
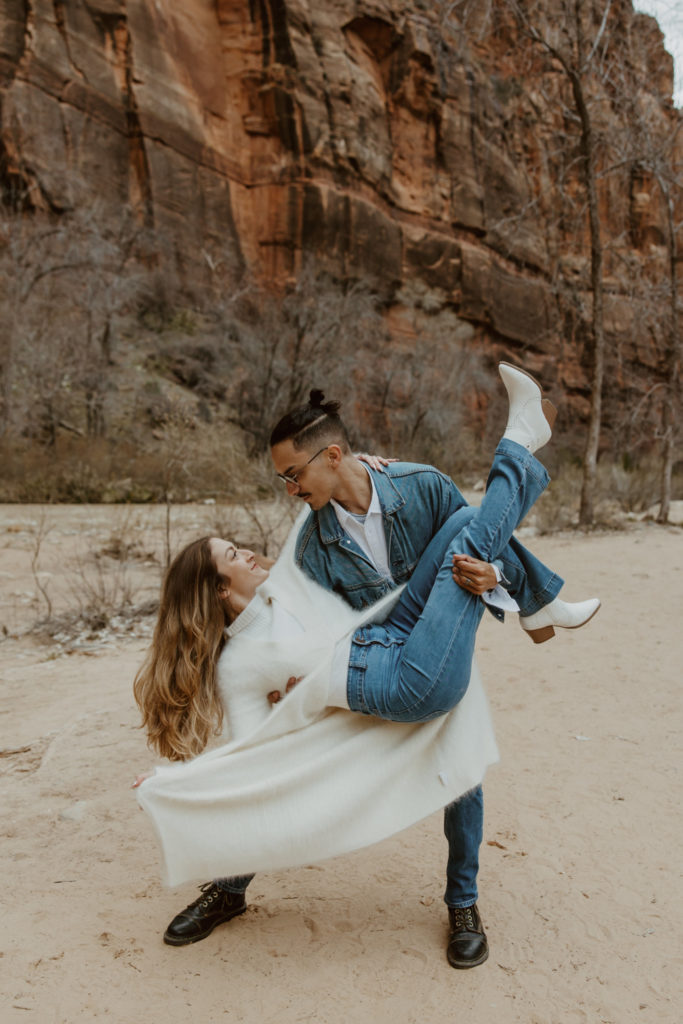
[[300, 782]]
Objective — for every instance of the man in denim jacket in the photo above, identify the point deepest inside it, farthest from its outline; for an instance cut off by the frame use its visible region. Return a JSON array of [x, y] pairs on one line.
[[363, 538], [365, 534]]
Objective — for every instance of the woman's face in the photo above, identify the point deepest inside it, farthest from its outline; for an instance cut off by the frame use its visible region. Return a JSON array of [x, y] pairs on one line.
[[241, 568]]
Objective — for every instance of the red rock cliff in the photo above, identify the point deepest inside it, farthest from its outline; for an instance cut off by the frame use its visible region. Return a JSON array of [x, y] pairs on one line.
[[262, 131]]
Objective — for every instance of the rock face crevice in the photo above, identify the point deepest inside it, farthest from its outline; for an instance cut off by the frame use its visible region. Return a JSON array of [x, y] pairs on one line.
[[140, 187], [59, 7], [276, 44], [14, 41], [14, 38], [263, 134]]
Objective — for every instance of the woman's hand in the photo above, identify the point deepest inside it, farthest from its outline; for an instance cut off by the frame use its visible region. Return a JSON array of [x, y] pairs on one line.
[[274, 697], [141, 778], [473, 575], [374, 461]]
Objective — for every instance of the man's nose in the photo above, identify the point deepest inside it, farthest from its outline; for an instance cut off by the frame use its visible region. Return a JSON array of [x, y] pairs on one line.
[[292, 488]]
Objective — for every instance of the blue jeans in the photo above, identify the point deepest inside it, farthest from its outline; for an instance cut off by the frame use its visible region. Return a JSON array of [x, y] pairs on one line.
[[236, 884], [533, 584], [416, 665], [463, 826]]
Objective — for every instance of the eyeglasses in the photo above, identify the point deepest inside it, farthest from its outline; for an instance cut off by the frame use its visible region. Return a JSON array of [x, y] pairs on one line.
[[293, 478]]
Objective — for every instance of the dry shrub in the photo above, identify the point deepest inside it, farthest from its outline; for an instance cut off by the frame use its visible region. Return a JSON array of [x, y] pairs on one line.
[[634, 488], [620, 491], [558, 508], [100, 591], [182, 460], [101, 601], [75, 471], [122, 544]]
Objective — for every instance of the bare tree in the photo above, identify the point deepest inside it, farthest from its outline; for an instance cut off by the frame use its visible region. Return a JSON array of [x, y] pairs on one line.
[[652, 150], [41, 532], [35, 258], [671, 401], [63, 279], [582, 63], [578, 44], [279, 347]]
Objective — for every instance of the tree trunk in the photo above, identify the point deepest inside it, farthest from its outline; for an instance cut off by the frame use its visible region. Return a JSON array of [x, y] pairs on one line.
[[597, 339], [673, 358], [667, 460], [576, 62]]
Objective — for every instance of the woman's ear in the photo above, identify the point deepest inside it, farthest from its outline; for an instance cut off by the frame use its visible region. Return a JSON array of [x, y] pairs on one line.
[[223, 592]]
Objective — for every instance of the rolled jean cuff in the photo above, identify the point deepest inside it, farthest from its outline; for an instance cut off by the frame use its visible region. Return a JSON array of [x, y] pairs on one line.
[[460, 904], [548, 594], [237, 883]]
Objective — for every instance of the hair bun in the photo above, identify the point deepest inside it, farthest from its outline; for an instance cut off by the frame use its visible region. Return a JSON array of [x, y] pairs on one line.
[[316, 399]]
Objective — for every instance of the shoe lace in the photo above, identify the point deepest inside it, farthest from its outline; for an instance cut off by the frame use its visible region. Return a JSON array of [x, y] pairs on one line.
[[462, 917], [210, 893]]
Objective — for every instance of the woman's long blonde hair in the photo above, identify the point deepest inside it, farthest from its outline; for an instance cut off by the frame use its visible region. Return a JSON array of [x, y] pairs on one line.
[[176, 688]]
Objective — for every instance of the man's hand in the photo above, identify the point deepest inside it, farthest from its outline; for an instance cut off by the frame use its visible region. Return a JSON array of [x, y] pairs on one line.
[[274, 697], [473, 575], [374, 461]]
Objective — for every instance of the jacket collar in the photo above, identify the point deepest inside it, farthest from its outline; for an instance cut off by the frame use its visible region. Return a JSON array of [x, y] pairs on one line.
[[389, 496]]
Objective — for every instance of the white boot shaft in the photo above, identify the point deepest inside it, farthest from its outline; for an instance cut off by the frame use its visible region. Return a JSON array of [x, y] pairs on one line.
[[530, 416]]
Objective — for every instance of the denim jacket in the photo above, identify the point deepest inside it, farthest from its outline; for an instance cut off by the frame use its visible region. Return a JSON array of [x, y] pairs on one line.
[[416, 501]]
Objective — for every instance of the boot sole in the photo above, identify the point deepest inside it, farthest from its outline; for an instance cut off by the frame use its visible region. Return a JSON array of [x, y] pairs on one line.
[[172, 940]]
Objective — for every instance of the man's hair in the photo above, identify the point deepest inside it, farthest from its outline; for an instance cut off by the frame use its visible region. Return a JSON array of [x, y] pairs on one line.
[[312, 424]]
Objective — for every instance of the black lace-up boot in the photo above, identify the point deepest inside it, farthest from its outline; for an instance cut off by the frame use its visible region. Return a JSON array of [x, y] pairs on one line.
[[198, 920], [467, 943]]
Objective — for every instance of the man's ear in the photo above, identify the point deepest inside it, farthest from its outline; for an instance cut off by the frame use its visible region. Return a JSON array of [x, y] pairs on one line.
[[334, 455]]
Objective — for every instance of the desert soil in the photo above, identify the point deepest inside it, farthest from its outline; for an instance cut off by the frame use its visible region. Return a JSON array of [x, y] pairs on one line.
[[580, 880]]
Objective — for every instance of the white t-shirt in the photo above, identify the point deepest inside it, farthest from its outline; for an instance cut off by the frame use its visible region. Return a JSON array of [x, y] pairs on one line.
[[367, 531]]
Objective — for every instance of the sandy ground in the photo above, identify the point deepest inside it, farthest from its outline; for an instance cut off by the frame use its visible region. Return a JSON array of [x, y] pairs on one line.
[[580, 881]]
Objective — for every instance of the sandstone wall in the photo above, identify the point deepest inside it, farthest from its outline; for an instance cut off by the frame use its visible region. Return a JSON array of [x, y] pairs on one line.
[[261, 132]]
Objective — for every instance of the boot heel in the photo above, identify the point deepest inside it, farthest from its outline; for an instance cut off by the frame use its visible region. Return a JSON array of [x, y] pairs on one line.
[[542, 634], [549, 411]]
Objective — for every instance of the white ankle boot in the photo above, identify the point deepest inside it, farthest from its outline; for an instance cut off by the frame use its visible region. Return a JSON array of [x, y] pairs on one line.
[[540, 625], [531, 416]]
